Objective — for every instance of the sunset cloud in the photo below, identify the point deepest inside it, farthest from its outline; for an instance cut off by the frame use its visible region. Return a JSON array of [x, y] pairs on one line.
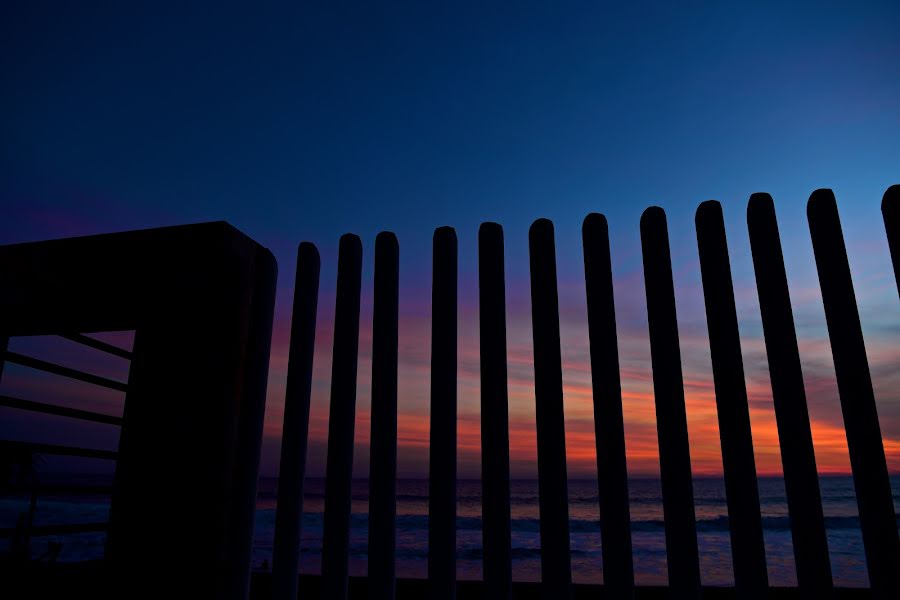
[[881, 320]]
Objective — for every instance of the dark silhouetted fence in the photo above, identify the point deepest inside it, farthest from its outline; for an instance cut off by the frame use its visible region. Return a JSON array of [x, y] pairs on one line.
[[442, 450], [748, 552], [201, 298]]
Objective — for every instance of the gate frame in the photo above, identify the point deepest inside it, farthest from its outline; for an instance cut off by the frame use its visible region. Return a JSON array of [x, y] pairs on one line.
[[200, 299]]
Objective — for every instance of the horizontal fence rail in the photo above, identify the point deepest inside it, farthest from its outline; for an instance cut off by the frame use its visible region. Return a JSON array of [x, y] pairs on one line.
[[8, 448], [73, 489], [49, 367], [46, 530], [24, 452], [97, 345], [59, 411]]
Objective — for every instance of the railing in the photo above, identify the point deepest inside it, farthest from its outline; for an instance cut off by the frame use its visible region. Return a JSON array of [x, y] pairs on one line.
[[18, 449], [200, 300], [870, 474], [204, 357]]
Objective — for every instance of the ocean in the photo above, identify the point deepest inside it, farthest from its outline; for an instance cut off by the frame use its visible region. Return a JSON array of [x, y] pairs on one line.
[[648, 534]]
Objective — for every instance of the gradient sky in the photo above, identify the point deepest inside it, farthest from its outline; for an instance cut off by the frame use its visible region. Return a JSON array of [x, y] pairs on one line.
[[305, 122]]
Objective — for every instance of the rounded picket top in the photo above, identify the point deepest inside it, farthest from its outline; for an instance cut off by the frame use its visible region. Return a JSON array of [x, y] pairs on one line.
[[386, 237], [890, 202], [444, 234], [541, 228], [595, 223], [350, 242], [821, 205], [708, 212], [489, 228], [387, 247], [652, 217], [309, 251], [760, 206]]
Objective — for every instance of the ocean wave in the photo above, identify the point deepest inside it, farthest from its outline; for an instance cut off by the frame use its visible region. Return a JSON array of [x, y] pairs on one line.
[[577, 499], [418, 523], [420, 552]]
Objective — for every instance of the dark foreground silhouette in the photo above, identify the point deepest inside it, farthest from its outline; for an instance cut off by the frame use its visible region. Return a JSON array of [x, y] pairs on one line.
[[200, 299], [63, 580]]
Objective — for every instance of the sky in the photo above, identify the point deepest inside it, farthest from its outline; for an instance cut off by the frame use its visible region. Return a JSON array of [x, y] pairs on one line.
[[305, 121]]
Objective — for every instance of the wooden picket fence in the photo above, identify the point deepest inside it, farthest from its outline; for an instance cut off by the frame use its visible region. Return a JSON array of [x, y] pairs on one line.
[[870, 473], [200, 299]]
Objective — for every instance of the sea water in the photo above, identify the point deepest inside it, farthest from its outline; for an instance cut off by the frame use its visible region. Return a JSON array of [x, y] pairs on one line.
[[648, 529]]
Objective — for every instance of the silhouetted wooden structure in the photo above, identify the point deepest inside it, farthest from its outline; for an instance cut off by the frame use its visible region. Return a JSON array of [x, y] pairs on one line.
[[798, 460], [556, 567], [229, 310], [682, 555], [609, 426], [288, 519], [495, 512], [442, 449], [341, 421], [200, 300], [383, 451], [877, 518], [744, 517]]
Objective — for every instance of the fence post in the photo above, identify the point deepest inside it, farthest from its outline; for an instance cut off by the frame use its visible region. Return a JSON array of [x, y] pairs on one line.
[[609, 429], [877, 518], [494, 415], [798, 459], [742, 493], [249, 430], [890, 210], [556, 567], [289, 512], [383, 451], [442, 460], [341, 421], [4, 344], [671, 420]]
